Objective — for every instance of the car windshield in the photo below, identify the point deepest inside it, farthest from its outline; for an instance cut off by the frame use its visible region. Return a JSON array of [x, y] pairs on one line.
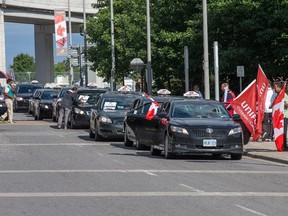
[[195, 110], [48, 94], [117, 103], [28, 89], [88, 97]]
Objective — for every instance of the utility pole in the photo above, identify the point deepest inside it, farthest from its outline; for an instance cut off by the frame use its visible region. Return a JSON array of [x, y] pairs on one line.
[[205, 44], [149, 64], [70, 40], [85, 44], [112, 79]]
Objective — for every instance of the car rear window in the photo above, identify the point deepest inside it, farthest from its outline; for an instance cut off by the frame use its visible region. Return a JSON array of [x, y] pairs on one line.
[[28, 89], [117, 103]]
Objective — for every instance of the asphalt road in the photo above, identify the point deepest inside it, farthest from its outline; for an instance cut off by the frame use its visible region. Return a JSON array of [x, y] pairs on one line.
[[51, 172]]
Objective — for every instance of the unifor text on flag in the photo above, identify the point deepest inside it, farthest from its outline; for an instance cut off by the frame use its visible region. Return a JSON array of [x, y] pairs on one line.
[[245, 106]]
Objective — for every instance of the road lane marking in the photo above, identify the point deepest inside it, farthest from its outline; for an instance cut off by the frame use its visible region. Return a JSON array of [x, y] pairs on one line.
[[150, 173], [101, 155], [145, 194], [191, 188], [250, 210], [146, 171], [53, 144]]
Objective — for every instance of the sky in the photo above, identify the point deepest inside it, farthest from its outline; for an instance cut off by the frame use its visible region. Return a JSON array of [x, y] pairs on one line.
[[19, 38]]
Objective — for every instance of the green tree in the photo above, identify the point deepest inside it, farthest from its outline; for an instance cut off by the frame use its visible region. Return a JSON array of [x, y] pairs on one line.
[[63, 66], [23, 63]]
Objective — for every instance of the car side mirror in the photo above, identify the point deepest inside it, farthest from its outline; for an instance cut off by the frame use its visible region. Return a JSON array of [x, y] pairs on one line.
[[236, 117]]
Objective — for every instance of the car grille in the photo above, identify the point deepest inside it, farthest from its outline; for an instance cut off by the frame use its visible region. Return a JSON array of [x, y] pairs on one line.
[[215, 133]]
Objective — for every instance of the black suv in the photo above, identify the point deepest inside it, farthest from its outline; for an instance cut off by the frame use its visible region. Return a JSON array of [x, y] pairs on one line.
[[23, 94]]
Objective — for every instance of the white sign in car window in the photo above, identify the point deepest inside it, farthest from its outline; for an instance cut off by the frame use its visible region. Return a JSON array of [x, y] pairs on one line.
[[83, 98], [109, 105]]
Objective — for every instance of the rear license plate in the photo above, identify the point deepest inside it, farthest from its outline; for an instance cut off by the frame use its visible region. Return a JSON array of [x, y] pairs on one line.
[[209, 143]]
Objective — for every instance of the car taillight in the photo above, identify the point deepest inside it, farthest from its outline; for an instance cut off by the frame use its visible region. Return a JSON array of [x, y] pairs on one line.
[[164, 121]]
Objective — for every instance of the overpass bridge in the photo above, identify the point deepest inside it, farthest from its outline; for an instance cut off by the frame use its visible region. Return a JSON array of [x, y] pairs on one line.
[[40, 13]]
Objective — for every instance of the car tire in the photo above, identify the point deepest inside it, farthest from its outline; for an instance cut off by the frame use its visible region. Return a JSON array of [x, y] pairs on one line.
[[154, 151], [91, 135], [54, 119], [167, 153], [127, 142], [35, 117], [236, 156], [138, 145]]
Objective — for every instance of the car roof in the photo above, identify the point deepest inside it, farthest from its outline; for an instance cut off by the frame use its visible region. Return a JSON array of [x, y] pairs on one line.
[[121, 94], [91, 90], [193, 100]]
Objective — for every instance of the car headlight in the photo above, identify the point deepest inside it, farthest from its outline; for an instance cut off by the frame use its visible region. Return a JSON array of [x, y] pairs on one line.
[[79, 111], [19, 99], [104, 119], [179, 130], [44, 106], [235, 131], [1, 105]]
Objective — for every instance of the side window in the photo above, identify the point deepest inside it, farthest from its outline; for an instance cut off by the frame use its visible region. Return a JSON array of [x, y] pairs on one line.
[[166, 107], [135, 104]]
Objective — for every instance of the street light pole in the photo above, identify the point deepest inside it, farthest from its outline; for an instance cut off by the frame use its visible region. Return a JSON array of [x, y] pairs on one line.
[[70, 41], [205, 44], [149, 67], [112, 79]]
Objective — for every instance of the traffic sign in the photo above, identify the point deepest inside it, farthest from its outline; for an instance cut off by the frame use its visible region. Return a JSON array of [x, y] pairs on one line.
[[240, 71]]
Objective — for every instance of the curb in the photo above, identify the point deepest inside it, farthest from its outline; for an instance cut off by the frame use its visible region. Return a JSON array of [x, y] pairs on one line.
[[251, 155]]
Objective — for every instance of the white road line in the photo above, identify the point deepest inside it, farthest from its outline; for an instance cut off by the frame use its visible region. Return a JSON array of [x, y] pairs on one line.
[[146, 171], [250, 210], [145, 194], [101, 155], [150, 173], [191, 188], [53, 144]]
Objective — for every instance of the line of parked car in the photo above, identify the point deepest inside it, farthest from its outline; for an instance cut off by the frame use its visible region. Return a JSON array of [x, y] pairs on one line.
[[180, 126]]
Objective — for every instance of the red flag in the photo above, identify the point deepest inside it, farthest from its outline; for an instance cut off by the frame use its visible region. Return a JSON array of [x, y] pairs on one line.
[[152, 109], [245, 106], [60, 33], [262, 88], [278, 120]]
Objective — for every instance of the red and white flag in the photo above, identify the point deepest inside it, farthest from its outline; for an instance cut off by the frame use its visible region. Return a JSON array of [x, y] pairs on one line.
[[60, 33], [152, 109], [262, 88], [278, 120], [245, 106]]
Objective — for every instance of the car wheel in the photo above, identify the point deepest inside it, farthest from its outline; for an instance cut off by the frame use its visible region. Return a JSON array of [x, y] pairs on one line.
[[54, 119], [154, 151], [167, 154], [91, 135], [127, 142], [35, 117], [138, 145], [236, 156]]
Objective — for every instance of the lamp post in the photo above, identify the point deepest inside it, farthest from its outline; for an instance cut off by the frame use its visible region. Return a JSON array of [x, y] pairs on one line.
[[205, 44], [85, 44], [149, 67], [112, 79], [70, 41]]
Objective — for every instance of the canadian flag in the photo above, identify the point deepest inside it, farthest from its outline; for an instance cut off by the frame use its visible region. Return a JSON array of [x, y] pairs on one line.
[[278, 120], [262, 88], [60, 33], [152, 109], [245, 106]]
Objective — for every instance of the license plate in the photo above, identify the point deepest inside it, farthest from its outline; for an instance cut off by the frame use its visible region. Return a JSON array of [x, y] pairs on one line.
[[209, 143]]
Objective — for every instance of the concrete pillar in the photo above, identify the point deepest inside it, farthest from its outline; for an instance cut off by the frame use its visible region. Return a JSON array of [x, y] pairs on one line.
[[44, 53], [2, 42]]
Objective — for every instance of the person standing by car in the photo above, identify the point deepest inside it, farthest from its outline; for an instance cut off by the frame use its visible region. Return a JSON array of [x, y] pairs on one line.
[[8, 98], [69, 98], [228, 97]]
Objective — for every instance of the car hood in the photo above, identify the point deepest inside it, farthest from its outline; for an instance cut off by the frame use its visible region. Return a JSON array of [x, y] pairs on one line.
[[204, 123], [112, 114], [84, 107], [46, 101], [24, 95]]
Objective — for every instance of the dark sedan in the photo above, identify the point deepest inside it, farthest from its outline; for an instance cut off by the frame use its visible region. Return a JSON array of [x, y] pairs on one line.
[[86, 99], [43, 104], [3, 107], [23, 94], [193, 126], [32, 101], [133, 133], [106, 120]]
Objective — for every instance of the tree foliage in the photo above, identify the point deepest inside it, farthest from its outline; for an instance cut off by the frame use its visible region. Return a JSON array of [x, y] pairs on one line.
[[23, 63], [249, 32]]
